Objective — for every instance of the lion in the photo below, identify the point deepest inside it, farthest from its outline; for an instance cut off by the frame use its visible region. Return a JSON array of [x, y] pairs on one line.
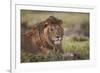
[[44, 37]]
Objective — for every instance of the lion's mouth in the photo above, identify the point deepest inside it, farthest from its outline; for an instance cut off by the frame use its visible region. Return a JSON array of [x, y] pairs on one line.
[[57, 41]]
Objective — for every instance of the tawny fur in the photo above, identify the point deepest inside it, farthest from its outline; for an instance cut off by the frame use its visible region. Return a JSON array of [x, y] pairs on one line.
[[37, 39]]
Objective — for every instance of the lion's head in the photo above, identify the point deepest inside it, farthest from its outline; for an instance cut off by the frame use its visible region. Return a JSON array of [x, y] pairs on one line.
[[53, 30]]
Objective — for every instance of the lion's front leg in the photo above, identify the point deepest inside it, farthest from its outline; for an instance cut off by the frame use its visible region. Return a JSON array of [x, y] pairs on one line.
[[44, 50]]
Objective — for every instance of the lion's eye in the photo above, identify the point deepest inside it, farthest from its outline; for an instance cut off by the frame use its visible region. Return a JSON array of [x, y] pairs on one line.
[[51, 29]]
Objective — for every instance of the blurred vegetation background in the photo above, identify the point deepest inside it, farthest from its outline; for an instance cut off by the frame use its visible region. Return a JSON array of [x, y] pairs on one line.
[[76, 32]]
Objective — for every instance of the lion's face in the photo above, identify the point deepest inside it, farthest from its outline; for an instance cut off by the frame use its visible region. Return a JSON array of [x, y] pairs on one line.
[[54, 31], [55, 34]]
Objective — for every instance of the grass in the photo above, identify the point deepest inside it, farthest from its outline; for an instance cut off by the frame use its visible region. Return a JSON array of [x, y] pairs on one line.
[[28, 57], [69, 46], [81, 47]]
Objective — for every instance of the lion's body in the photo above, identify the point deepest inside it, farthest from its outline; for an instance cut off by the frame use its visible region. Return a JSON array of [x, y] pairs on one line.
[[44, 37]]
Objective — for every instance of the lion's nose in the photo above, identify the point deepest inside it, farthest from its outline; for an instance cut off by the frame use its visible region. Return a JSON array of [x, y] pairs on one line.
[[57, 36]]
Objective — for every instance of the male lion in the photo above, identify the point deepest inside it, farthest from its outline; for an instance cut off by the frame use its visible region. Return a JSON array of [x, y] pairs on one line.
[[43, 37]]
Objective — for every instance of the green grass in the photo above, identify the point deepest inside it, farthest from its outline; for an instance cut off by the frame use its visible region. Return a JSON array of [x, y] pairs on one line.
[[29, 57], [69, 46], [81, 47]]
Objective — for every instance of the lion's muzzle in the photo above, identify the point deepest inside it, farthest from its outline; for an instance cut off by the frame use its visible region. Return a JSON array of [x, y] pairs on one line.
[[57, 40]]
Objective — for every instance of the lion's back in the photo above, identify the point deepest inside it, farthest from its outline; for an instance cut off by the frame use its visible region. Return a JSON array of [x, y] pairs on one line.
[[27, 45]]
